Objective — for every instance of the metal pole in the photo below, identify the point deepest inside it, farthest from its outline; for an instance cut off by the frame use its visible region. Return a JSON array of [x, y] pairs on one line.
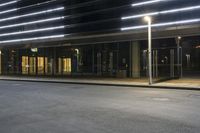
[[181, 62], [149, 49], [178, 39], [178, 56]]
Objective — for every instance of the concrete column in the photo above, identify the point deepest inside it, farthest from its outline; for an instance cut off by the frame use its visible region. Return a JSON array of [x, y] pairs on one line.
[[54, 62], [135, 59], [0, 62]]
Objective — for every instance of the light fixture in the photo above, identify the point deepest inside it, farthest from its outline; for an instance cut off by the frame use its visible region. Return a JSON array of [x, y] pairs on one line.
[[35, 50], [33, 31], [15, 9], [77, 51], [33, 22], [147, 18], [163, 24], [7, 11], [33, 39], [147, 2], [8, 3], [179, 37], [184, 9], [32, 14]]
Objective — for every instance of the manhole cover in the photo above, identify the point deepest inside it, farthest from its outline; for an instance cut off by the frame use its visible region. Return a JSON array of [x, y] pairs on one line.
[[16, 84], [77, 87], [161, 99]]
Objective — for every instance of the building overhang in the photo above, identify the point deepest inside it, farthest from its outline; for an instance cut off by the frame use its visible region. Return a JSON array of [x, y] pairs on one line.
[[134, 35]]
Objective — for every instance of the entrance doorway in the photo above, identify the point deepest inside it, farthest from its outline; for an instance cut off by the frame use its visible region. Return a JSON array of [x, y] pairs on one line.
[[36, 65], [64, 66], [25, 65], [32, 65], [40, 65]]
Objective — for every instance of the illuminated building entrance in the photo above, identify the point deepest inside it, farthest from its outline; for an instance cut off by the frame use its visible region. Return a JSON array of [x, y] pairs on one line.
[[64, 66]]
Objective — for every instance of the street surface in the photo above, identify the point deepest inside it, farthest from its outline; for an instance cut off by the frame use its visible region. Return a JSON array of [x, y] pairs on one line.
[[31, 107]]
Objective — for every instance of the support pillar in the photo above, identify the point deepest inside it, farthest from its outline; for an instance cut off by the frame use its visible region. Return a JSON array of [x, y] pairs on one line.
[[0, 62], [54, 61], [135, 59]]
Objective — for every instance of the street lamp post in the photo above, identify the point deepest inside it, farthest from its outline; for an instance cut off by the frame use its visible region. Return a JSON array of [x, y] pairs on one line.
[[178, 39], [148, 20]]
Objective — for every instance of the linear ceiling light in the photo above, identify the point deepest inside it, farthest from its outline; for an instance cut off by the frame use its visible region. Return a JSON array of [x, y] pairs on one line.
[[7, 11], [32, 22], [8, 3], [140, 15], [162, 24], [147, 2], [33, 38], [33, 31], [15, 9], [32, 14], [190, 8]]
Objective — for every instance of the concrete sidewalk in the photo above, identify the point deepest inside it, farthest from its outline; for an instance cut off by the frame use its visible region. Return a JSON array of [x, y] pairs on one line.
[[184, 83]]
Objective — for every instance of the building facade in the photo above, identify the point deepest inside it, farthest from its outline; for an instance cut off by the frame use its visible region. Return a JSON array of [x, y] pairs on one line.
[[99, 38]]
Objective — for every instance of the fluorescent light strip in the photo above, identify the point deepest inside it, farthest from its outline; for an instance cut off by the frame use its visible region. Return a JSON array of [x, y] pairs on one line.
[[7, 11], [32, 22], [14, 9], [162, 24], [140, 15], [32, 31], [181, 9], [190, 8], [8, 3], [32, 14], [147, 2], [33, 39]]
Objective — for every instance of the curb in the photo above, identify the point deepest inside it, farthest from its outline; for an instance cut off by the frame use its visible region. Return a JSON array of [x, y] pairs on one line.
[[107, 84]]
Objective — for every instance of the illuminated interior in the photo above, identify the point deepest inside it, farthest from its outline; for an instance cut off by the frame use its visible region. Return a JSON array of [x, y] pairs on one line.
[[40, 65], [32, 65], [66, 65], [25, 65]]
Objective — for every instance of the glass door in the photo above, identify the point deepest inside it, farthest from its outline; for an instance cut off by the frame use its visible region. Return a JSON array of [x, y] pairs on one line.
[[40, 65], [66, 65], [48, 66], [32, 65], [25, 65]]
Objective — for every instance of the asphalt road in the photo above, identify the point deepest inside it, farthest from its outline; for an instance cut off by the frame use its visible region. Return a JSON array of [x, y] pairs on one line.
[[30, 107]]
